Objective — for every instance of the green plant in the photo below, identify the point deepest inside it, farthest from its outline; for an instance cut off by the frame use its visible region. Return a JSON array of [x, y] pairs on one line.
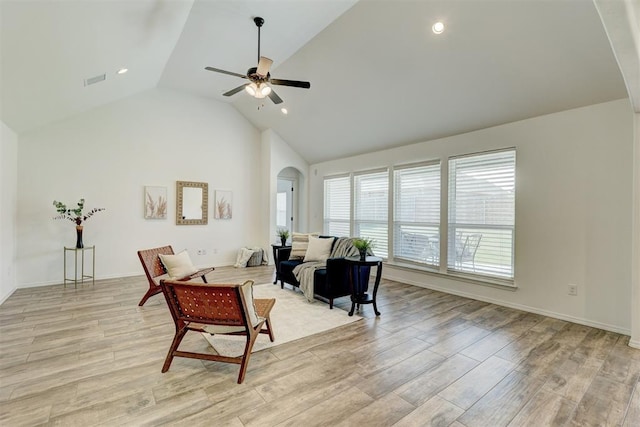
[[363, 244], [283, 233], [74, 215]]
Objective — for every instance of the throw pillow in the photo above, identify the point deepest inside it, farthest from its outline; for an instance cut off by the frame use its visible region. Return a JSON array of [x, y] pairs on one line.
[[318, 249], [299, 243], [247, 290], [178, 265]]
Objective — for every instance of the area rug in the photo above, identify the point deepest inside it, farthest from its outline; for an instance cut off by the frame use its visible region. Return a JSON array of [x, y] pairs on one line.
[[292, 318]]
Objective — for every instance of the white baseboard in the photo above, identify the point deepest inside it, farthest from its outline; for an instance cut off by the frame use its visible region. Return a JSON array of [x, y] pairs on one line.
[[634, 344], [3, 299], [535, 310]]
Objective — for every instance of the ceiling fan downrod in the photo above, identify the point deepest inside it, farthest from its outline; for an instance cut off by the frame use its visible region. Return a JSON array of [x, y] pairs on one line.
[[259, 21]]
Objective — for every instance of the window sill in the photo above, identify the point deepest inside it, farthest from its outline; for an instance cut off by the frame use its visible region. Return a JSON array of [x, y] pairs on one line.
[[504, 284]]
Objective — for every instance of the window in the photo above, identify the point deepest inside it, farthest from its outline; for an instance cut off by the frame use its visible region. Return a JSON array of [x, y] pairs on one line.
[[337, 206], [371, 209], [482, 213], [416, 214]]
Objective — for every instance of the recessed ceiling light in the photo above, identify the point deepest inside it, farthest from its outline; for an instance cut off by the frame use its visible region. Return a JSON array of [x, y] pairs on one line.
[[284, 111], [122, 70], [438, 28]]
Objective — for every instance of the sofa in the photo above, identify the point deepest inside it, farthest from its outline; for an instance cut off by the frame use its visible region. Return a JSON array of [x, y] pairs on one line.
[[329, 277]]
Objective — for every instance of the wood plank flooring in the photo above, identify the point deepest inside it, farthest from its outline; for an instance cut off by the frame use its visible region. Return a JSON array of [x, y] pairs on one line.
[[91, 357]]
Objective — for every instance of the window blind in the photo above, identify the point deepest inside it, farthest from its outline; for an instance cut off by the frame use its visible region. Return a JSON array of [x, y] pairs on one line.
[[337, 206], [416, 213], [482, 213], [371, 208]]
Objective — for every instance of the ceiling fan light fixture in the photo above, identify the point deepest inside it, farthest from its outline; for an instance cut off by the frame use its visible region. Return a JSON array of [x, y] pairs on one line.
[[252, 89], [258, 90], [265, 89]]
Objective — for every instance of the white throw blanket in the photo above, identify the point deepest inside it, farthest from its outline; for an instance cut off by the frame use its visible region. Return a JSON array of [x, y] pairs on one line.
[[245, 253], [304, 272]]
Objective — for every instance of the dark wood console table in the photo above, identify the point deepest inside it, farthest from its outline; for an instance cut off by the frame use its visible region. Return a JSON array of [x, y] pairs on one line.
[[359, 280], [280, 253]]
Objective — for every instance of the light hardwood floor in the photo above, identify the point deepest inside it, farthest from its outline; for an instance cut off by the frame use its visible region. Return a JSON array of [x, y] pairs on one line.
[[91, 356]]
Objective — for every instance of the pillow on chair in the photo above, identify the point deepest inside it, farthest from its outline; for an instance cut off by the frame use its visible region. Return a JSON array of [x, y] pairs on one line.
[[247, 290], [178, 265]]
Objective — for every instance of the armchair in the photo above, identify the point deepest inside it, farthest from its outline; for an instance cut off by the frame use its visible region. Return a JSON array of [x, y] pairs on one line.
[[216, 309], [155, 271]]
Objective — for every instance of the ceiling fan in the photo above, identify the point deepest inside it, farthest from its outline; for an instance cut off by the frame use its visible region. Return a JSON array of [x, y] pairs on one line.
[[259, 77]]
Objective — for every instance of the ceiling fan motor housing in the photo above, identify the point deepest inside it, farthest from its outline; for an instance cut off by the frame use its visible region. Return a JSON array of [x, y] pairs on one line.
[[253, 75]]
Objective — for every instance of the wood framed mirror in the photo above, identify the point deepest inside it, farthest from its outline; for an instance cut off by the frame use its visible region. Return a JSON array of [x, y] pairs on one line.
[[192, 203]]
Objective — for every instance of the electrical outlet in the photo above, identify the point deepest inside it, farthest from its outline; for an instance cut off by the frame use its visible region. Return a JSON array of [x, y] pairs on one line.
[[572, 289], [204, 251]]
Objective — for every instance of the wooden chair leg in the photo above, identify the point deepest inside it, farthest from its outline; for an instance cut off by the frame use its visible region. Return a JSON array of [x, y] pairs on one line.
[[251, 338], [177, 339], [267, 323], [150, 292]]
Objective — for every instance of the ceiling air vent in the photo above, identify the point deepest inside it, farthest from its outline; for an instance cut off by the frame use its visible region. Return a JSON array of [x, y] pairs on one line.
[[94, 80]]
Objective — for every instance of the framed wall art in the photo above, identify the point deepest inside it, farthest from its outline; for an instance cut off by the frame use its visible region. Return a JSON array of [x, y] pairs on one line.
[[223, 208], [155, 202]]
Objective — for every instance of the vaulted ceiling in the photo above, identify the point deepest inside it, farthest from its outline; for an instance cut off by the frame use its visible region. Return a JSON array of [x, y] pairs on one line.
[[379, 76]]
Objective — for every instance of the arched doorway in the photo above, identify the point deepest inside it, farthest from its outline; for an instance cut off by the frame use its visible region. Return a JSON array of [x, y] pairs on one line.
[[287, 199]]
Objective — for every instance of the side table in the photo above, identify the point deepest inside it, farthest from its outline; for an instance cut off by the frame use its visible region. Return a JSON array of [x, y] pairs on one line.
[[280, 253], [83, 276], [359, 281]]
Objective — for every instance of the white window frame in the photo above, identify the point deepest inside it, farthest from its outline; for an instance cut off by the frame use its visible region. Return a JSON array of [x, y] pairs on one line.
[[463, 254], [421, 244], [380, 247], [327, 220]]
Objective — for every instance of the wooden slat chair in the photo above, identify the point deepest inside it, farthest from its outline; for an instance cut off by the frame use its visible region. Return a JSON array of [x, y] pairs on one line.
[[216, 309], [154, 270]]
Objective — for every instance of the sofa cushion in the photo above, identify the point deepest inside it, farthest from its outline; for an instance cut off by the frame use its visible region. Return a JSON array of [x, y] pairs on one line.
[[299, 244], [318, 249], [286, 271]]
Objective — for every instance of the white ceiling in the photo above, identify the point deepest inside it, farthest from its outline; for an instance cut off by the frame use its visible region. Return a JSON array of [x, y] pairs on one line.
[[379, 76]]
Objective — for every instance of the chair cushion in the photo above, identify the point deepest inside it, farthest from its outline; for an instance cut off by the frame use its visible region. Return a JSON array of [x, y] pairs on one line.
[[247, 290], [178, 265], [318, 249]]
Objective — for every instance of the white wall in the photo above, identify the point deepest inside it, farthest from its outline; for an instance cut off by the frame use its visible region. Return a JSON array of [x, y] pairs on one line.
[[573, 204], [635, 263], [108, 155], [8, 209], [281, 156]]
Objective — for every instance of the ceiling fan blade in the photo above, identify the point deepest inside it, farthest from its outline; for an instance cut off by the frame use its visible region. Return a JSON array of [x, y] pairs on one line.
[[294, 83], [234, 91], [263, 66], [274, 97], [231, 73]]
